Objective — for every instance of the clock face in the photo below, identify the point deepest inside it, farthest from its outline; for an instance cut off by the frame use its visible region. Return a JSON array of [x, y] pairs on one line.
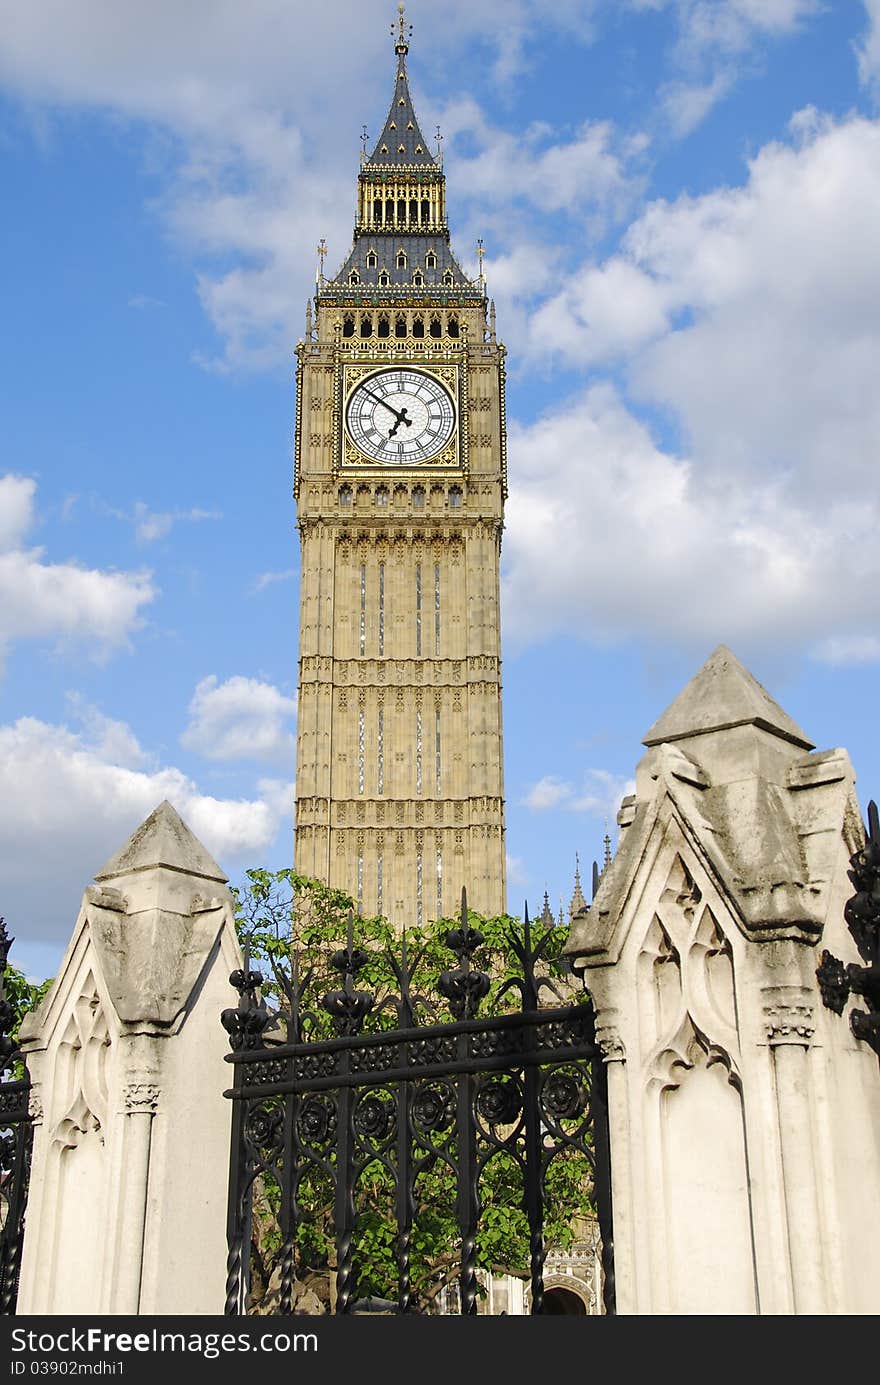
[[400, 417]]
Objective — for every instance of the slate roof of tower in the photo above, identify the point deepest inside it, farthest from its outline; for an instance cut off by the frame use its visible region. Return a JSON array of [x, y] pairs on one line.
[[402, 145], [401, 141], [386, 244]]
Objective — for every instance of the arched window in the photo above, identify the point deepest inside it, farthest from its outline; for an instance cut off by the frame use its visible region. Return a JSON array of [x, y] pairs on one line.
[[434, 328], [348, 325], [371, 259], [401, 209], [418, 326], [382, 498], [383, 279], [426, 211], [448, 278], [418, 497], [418, 278], [455, 498], [389, 210], [400, 325], [401, 259], [345, 497], [378, 208], [430, 260], [452, 326], [384, 325], [366, 325], [413, 210], [354, 277]]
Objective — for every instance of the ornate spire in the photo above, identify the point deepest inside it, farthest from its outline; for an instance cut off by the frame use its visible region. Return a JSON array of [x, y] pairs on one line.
[[578, 903], [547, 918], [404, 31], [401, 143], [401, 236]]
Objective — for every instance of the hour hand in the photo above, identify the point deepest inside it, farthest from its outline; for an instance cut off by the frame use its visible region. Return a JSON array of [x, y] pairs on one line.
[[401, 418]]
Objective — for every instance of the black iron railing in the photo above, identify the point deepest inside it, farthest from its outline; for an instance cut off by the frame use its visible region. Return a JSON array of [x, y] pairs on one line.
[[524, 1087], [16, 1134], [862, 912]]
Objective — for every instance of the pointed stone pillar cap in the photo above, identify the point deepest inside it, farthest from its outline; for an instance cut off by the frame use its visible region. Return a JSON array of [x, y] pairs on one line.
[[721, 695], [163, 840]]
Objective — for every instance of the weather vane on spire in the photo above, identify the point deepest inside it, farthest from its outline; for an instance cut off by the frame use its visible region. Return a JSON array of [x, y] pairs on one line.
[[480, 253], [322, 251], [404, 30]]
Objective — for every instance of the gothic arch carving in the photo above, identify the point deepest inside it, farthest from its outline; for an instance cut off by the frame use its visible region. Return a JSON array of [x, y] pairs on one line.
[[711, 960], [687, 1049], [81, 1069], [685, 979], [659, 968]]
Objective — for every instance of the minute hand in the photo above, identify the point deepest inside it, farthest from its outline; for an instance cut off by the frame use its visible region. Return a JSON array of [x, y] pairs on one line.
[[401, 417]]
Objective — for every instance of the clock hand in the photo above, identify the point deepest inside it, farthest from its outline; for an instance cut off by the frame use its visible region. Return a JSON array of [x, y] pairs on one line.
[[379, 400], [401, 418]]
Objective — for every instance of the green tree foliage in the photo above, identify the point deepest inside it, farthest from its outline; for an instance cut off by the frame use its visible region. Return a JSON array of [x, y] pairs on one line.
[[22, 995], [291, 922]]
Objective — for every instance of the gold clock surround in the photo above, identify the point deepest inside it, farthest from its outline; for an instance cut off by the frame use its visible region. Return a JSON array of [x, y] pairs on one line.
[[445, 364]]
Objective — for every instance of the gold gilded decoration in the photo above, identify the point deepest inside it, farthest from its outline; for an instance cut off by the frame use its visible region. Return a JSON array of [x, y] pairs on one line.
[[351, 374]]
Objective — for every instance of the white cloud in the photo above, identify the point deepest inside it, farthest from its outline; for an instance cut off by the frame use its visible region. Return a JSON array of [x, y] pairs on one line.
[[262, 159], [609, 538], [716, 42], [63, 602], [548, 792], [111, 741], [849, 649], [516, 871], [868, 51], [600, 795], [240, 719], [150, 525], [731, 26], [69, 800], [686, 104], [779, 278], [536, 166], [268, 579], [16, 509], [747, 317]]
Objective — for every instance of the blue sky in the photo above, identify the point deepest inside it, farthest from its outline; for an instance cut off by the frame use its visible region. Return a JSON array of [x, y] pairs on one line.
[[680, 203]]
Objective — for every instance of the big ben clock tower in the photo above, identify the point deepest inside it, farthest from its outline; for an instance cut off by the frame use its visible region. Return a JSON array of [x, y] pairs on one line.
[[400, 479]]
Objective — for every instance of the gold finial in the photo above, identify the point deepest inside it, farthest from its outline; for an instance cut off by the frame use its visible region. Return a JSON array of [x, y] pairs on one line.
[[439, 138], [363, 144], [480, 253], [404, 31], [308, 319], [322, 252]]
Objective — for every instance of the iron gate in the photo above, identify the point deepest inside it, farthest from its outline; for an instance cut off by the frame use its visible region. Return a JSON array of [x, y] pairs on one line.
[[525, 1084], [16, 1136]]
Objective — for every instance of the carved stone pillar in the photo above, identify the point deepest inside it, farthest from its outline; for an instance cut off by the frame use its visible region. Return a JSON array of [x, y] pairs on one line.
[[614, 1057], [140, 1103], [790, 1026]]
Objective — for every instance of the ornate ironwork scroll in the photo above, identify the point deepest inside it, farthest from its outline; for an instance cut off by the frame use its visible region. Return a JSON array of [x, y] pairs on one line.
[[519, 1088], [862, 912], [16, 1136]]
